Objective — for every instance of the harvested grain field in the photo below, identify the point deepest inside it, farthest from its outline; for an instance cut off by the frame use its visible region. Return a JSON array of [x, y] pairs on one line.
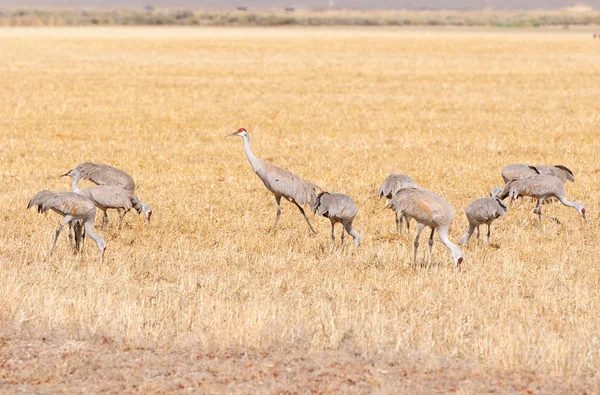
[[342, 108]]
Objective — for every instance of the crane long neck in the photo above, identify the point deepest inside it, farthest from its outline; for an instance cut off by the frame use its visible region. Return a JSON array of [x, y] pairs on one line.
[[75, 187], [254, 161], [89, 230], [443, 235], [564, 201]]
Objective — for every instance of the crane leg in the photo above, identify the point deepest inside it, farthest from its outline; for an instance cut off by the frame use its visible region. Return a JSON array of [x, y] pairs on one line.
[[416, 244], [431, 247], [305, 217], [78, 236], [121, 216], [478, 231], [104, 220], [343, 233], [353, 233], [278, 200], [488, 234], [71, 237], [465, 238], [67, 219], [332, 236], [398, 225], [407, 219]]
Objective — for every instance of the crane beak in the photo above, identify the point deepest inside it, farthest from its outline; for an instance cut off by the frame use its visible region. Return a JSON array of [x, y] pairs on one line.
[[584, 218], [232, 134], [65, 175]]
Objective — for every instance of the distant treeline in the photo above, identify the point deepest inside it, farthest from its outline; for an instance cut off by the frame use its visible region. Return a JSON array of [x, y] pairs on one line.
[[242, 17]]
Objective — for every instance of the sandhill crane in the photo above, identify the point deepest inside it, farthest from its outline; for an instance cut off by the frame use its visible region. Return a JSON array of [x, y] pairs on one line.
[[73, 207], [483, 211], [101, 174], [280, 182], [559, 171], [540, 187], [428, 209], [392, 184], [104, 197], [338, 208], [521, 170]]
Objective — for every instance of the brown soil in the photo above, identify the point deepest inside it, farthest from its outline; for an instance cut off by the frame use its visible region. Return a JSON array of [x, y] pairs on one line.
[[43, 364]]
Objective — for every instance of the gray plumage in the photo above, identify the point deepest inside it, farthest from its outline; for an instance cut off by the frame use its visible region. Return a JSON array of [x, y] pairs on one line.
[[101, 174], [521, 170], [74, 208], [105, 197], [280, 182], [561, 172], [338, 208], [518, 170], [483, 211], [540, 187], [391, 185], [428, 209]]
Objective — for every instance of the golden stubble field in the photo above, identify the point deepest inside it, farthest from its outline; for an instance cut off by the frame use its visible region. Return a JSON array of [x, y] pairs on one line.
[[342, 108]]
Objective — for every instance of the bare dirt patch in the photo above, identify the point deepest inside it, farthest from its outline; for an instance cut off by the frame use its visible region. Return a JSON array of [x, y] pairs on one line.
[[56, 364]]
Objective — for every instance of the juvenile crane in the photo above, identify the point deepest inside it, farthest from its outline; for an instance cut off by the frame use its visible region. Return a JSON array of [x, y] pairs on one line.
[[428, 209], [540, 187], [392, 184], [105, 197], [338, 208], [101, 174], [74, 208], [280, 182], [483, 211]]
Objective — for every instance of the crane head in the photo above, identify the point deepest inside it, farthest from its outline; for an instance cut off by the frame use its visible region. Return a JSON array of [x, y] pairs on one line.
[[71, 173], [242, 132]]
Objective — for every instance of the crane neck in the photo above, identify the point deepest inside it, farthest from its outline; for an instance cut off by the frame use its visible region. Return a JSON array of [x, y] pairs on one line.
[[443, 235], [89, 230], [75, 187], [564, 201], [254, 161]]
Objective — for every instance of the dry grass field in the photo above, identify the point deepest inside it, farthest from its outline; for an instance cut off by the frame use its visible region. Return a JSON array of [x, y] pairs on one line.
[[205, 282]]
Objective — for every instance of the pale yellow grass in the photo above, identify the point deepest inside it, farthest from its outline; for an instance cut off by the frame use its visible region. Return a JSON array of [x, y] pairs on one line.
[[342, 108]]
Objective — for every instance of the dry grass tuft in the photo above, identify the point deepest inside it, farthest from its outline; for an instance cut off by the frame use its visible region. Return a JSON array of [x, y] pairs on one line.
[[342, 108]]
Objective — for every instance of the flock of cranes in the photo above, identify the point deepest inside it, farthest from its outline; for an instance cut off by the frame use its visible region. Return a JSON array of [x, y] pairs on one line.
[[409, 201], [115, 189]]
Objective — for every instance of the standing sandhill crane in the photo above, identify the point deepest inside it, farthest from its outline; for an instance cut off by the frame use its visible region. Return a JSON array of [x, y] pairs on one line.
[[483, 211], [540, 187], [101, 174], [392, 184], [73, 207], [428, 209], [280, 182], [338, 208], [104, 197]]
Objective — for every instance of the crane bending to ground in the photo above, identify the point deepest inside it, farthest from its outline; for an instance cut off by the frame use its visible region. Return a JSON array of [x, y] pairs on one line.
[[280, 182], [483, 211], [540, 187], [523, 170], [105, 197], [391, 185], [101, 174], [73, 207], [428, 209], [338, 208]]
